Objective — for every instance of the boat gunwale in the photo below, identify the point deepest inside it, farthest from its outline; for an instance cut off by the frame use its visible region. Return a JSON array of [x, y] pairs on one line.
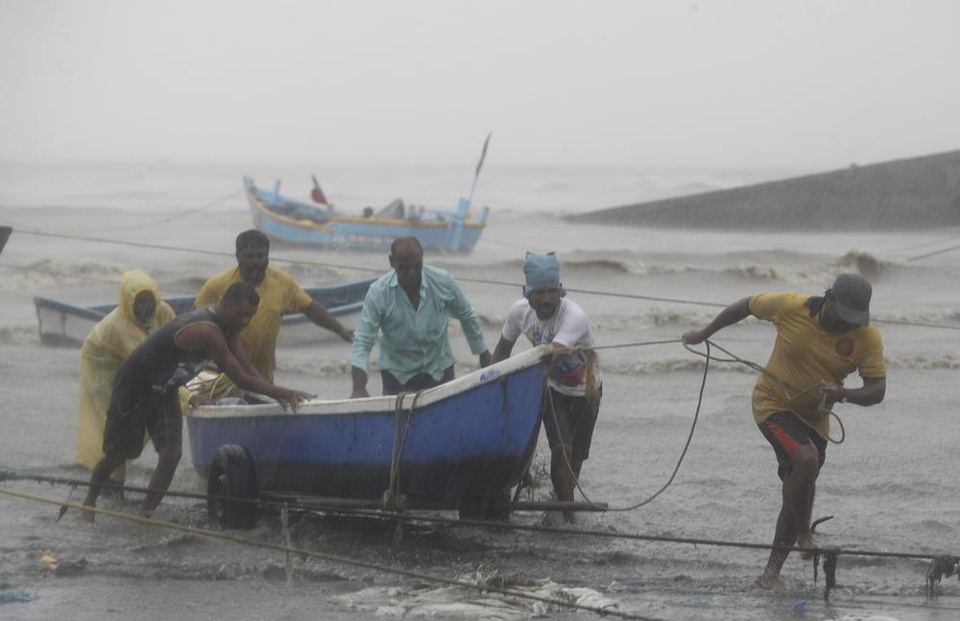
[[388, 404]]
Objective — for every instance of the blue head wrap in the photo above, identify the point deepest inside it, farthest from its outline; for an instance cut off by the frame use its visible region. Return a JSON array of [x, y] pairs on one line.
[[541, 269]]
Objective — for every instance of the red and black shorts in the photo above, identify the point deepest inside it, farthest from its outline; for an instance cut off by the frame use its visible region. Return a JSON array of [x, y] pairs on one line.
[[785, 432]]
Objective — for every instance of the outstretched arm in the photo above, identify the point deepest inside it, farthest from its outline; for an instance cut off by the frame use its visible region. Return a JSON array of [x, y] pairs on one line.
[[322, 317], [737, 311], [209, 337], [367, 328]]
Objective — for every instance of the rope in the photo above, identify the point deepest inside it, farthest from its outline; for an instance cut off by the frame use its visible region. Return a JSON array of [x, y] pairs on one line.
[[683, 453], [935, 252], [323, 556], [180, 214], [938, 569], [781, 382], [636, 344], [630, 296], [696, 417], [392, 499]]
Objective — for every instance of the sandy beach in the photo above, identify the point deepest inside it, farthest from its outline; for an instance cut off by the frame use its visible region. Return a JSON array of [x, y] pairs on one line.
[[889, 485]]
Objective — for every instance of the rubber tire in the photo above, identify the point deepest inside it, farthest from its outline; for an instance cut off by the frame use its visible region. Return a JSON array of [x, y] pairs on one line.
[[493, 508], [232, 474]]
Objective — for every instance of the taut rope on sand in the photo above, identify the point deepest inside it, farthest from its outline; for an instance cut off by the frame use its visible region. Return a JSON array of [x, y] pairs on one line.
[[286, 549], [938, 568]]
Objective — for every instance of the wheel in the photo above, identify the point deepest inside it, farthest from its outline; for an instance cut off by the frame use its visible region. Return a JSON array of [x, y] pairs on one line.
[[232, 489], [496, 508]]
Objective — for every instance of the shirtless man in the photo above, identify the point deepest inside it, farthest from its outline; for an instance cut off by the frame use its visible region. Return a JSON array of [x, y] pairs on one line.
[[145, 389]]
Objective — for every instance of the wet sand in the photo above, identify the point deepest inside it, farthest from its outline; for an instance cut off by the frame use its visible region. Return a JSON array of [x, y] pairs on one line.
[[880, 484], [891, 484]]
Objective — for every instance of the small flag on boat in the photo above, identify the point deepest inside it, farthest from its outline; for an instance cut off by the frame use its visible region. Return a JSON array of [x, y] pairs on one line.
[[316, 193]]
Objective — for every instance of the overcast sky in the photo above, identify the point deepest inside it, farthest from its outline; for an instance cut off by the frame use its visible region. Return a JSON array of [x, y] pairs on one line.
[[558, 82]]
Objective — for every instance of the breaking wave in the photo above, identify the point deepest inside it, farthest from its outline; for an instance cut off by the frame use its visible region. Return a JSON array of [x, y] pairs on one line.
[[19, 335], [618, 266], [49, 272], [923, 362], [864, 263]]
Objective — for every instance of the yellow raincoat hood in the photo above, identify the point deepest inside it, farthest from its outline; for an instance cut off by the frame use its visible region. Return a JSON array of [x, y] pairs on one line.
[[131, 284]]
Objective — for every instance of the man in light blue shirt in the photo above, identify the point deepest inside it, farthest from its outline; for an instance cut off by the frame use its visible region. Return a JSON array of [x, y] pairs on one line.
[[409, 308]]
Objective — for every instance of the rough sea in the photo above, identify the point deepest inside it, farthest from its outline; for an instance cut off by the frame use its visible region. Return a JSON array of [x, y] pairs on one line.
[[891, 486]]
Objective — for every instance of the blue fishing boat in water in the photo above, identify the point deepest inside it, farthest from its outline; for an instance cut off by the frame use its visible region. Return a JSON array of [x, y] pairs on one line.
[[297, 222], [65, 324], [461, 445]]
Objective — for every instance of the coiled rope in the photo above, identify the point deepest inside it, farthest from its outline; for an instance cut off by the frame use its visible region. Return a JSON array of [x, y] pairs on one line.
[[791, 393], [683, 453]]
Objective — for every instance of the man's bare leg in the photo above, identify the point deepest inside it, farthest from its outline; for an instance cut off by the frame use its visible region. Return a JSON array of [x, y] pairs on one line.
[[793, 523], [101, 473], [800, 488], [168, 458], [563, 482], [785, 535]]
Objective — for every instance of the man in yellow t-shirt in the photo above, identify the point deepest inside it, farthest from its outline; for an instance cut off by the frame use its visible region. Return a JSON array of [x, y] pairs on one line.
[[820, 341], [279, 293]]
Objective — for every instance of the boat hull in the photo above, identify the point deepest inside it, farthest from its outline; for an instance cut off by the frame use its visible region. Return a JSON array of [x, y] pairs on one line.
[[470, 438]]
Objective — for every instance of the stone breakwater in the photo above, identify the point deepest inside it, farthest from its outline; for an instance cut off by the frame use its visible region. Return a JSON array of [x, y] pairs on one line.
[[908, 194]]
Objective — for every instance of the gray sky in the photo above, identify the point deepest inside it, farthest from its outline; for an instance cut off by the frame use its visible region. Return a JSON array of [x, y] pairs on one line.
[[558, 82]]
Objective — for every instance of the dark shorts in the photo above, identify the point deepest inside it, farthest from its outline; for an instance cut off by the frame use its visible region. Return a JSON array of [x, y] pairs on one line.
[[128, 419], [420, 381], [569, 421], [785, 433]]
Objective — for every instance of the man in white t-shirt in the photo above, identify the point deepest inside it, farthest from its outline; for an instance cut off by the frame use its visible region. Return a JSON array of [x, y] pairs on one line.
[[570, 406]]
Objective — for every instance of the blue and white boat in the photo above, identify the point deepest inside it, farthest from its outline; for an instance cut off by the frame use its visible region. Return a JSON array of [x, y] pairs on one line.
[[461, 445], [65, 324], [291, 221]]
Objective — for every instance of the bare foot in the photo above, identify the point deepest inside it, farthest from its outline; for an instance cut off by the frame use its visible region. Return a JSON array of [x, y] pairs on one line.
[[771, 582], [87, 515], [808, 547]]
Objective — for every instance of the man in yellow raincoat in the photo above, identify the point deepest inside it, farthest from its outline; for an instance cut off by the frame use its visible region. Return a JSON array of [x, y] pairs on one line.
[[279, 293], [139, 312]]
